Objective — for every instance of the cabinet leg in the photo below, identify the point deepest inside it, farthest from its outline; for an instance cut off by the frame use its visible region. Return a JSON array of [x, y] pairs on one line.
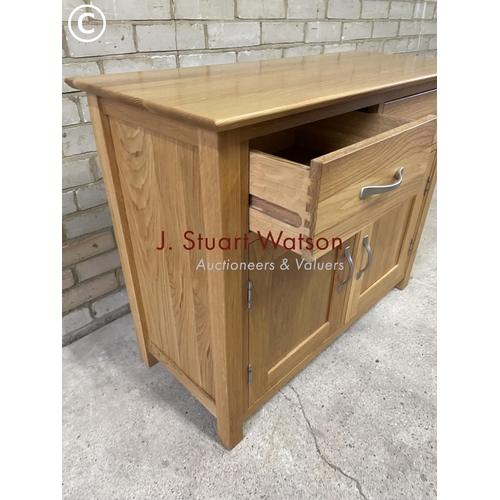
[[230, 431], [148, 359], [404, 282]]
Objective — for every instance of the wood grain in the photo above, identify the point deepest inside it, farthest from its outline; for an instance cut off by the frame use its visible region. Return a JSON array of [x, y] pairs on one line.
[[421, 220], [414, 107], [293, 311], [233, 95], [162, 192], [224, 196], [114, 193], [366, 150]]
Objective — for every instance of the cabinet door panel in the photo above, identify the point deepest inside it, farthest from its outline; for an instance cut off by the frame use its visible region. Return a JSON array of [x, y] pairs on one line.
[[293, 311], [386, 238]]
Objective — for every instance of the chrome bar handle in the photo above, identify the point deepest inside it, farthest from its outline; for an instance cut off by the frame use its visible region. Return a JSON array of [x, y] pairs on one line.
[[366, 244], [347, 253], [369, 190]]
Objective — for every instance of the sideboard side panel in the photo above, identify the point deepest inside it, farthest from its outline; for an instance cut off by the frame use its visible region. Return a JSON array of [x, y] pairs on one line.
[[105, 149], [161, 185]]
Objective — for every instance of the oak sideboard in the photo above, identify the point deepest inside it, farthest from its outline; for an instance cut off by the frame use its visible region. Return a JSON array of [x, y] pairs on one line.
[[261, 208]]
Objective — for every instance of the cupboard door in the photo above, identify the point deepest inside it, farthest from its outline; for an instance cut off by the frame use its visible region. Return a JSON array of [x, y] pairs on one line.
[[293, 311], [382, 252]]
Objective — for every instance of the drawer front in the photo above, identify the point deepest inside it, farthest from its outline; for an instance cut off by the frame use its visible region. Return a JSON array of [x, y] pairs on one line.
[[371, 163], [323, 200], [413, 107]]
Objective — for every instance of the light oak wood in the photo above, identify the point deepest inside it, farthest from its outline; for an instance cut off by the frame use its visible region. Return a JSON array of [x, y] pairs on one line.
[[175, 153], [230, 96], [317, 201], [162, 188], [195, 389], [224, 196], [428, 192], [116, 201], [366, 102], [413, 107], [389, 240], [283, 326]]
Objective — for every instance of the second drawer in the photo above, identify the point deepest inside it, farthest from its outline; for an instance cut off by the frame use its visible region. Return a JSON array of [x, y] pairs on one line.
[[327, 179]]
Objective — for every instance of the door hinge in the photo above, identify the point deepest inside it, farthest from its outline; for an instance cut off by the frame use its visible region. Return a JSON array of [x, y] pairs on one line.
[[249, 375], [428, 185], [249, 293], [411, 246]]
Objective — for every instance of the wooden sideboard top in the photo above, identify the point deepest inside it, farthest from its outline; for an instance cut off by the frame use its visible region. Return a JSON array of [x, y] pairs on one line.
[[228, 96]]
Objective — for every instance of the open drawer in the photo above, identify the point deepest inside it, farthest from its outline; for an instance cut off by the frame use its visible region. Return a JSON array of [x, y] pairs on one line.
[[327, 179]]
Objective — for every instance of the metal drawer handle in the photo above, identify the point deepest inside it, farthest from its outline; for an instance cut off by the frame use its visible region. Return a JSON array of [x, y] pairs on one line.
[[347, 253], [370, 257], [369, 190]]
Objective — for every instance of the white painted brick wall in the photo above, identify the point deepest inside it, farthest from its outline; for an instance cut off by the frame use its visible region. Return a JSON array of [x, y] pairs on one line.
[[78, 139], [339, 47], [155, 37], [135, 9], [430, 28], [259, 55], [356, 30], [68, 280], [77, 69], [138, 63], [98, 265], [117, 39], [68, 203], [87, 248], [344, 9], [323, 31], [376, 9], [90, 196], [110, 303], [84, 107], [424, 10], [204, 9], [385, 29], [410, 27], [395, 46], [222, 35], [70, 114], [75, 320], [310, 9], [261, 9], [303, 50], [401, 10], [282, 32], [76, 173], [190, 36], [90, 290], [370, 46], [87, 222], [207, 58]]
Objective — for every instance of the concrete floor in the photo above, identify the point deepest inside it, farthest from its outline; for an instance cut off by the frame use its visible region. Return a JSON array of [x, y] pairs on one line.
[[357, 422]]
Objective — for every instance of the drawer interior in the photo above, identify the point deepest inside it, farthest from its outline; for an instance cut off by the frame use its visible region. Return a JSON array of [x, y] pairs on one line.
[[304, 143], [307, 181]]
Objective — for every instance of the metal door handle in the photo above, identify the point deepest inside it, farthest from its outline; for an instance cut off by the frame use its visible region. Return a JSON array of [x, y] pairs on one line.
[[347, 253], [370, 257], [369, 190]]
